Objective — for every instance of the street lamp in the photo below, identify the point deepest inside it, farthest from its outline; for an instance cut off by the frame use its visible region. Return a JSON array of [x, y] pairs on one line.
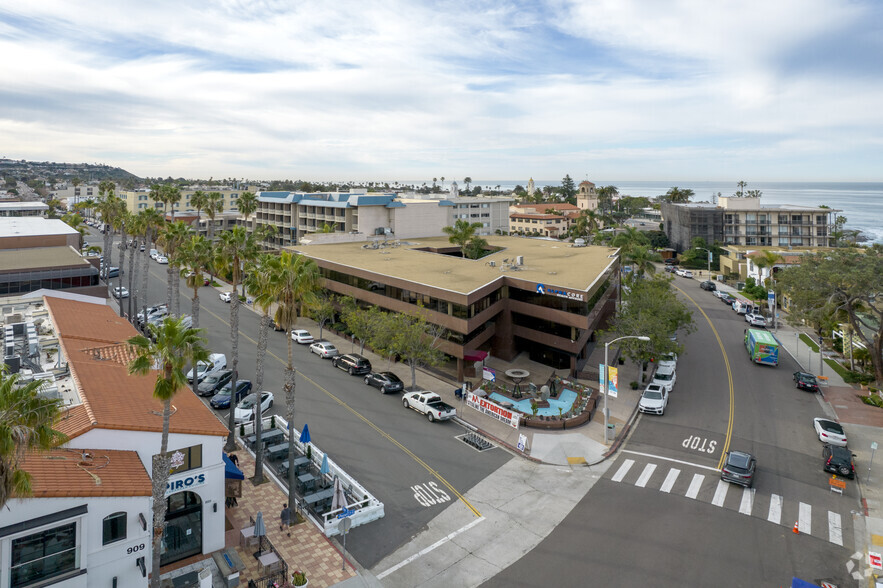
[[606, 368]]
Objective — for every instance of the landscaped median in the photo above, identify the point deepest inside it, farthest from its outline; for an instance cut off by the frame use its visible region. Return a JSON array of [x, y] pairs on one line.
[[560, 404]]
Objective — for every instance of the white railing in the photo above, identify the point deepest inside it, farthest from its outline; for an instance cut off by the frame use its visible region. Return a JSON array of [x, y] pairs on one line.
[[856, 342], [367, 508]]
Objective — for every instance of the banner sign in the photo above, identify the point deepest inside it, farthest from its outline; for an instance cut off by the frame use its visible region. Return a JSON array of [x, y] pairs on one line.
[[489, 374], [601, 381], [483, 405], [613, 381]]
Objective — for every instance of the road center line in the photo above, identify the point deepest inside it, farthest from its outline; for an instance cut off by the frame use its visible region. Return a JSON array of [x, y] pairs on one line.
[[689, 463], [426, 550]]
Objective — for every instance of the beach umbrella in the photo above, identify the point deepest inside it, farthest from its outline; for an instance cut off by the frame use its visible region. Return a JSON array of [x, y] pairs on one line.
[[260, 530], [338, 499], [305, 434], [324, 469]]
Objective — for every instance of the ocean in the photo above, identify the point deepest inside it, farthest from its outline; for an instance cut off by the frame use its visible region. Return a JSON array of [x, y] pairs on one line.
[[860, 202]]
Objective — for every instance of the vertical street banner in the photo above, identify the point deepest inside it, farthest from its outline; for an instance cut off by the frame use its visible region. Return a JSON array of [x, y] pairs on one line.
[[613, 381], [601, 381]]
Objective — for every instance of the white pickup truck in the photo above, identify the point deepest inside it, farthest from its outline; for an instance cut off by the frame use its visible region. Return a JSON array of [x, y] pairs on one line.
[[430, 404]]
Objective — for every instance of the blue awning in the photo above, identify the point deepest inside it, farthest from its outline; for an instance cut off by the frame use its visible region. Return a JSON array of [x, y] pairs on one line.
[[231, 472]]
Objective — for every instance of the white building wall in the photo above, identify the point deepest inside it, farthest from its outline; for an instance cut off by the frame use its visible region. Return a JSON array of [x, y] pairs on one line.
[[420, 219], [372, 217], [102, 562]]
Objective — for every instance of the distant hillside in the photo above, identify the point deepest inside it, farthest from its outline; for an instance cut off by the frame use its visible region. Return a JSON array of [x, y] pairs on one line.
[[58, 172]]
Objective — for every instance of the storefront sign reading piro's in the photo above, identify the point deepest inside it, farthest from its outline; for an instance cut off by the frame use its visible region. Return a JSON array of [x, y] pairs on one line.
[[185, 483]]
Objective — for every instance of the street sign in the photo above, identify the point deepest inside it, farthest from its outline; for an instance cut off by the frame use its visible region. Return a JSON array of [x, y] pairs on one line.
[[522, 441], [344, 525], [873, 446], [346, 512], [771, 296], [875, 559]]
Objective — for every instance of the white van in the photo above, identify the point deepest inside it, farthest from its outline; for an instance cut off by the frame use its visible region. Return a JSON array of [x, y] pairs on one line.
[[216, 361], [743, 306]]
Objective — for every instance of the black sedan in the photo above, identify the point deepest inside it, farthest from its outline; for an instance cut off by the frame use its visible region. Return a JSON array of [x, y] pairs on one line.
[[385, 382], [708, 285], [213, 382], [222, 398], [806, 382]]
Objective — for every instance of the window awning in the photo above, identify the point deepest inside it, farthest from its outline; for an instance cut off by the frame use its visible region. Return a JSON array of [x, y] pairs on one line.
[[475, 355], [231, 472]]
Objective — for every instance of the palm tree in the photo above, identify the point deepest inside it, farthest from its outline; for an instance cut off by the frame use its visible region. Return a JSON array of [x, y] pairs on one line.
[[152, 222], [26, 420], [247, 204], [766, 259], [173, 346], [605, 197], [641, 259], [461, 233], [467, 180], [198, 200], [235, 247], [585, 224], [214, 206], [677, 196], [107, 208], [173, 236], [75, 221], [192, 257], [629, 238], [120, 221], [137, 229], [260, 284], [297, 280]]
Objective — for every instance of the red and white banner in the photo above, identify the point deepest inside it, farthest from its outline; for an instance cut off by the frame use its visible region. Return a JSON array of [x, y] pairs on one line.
[[483, 405]]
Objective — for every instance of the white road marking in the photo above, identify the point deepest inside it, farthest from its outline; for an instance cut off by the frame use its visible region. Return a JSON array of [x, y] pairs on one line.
[[695, 465], [835, 530], [804, 519], [426, 550], [670, 480], [775, 515], [747, 501], [623, 470], [720, 494], [693, 490], [645, 475]]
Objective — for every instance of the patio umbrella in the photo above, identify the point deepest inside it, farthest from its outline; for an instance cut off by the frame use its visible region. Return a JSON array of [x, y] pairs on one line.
[[305, 434], [338, 499], [260, 530], [324, 469]]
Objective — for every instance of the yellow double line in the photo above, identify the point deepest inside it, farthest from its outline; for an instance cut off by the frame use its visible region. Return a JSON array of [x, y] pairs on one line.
[[732, 408]]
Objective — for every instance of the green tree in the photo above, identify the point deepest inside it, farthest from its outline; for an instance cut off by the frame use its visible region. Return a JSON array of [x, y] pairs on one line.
[[766, 259], [606, 194], [846, 281], [585, 225], [641, 259], [247, 204], [173, 345], [26, 421], [192, 257], [416, 341], [322, 309], [172, 236], [151, 222], [461, 233], [676, 195], [361, 322], [198, 200], [476, 248], [75, 221], [568, 189], [214, 205], [466, 181]]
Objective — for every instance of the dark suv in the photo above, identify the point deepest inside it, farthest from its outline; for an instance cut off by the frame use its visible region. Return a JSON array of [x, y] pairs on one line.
[[708, 285], [739, 468], [806, 382], [838, 460], [353, 363]]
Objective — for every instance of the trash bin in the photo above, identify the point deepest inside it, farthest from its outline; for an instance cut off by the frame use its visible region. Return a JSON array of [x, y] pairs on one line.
[[611, 432]]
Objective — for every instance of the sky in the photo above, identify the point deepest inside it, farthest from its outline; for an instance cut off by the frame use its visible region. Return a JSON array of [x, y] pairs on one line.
[[409, 90]]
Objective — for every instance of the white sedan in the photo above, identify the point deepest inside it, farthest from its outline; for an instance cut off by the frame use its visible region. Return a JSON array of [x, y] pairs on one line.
[[755, 320], [245, 410], [654, 399], [324, 349], [225, 296], [670, 360], [162, 260], [121, 292], [301, 336], [829, 432]]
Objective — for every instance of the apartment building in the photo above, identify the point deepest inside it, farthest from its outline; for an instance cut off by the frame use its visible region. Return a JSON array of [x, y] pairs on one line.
[[140, 199], [745, 221], [8, 209]]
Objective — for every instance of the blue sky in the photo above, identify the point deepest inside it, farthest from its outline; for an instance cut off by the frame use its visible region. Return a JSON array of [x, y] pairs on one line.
[[395, 90]]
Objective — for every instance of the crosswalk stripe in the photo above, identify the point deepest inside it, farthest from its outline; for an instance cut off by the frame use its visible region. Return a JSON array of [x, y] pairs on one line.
[[804, 519], [747, 501], [835, 531], [623, 470], [720, 494], [775, 515], [693, 490], [670, 480], [645, 475]]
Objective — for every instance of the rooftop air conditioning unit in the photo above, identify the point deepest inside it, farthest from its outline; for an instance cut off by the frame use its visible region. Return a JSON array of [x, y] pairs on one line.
[[492, 263], [579, 242], [519, 260]]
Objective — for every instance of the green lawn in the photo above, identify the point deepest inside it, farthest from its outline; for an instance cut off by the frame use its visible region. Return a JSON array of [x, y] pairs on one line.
[[809, 342]]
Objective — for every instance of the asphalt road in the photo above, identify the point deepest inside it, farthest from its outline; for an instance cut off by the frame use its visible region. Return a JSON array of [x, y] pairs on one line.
[[660, 517], [395, 453]]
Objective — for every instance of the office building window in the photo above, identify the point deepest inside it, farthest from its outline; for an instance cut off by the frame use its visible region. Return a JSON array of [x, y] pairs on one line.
[[114, 528], [43, 555]]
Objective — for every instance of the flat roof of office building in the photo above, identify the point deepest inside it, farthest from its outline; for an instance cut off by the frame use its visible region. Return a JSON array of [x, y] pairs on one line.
[[544, 261], [34, 258], [33, 226]]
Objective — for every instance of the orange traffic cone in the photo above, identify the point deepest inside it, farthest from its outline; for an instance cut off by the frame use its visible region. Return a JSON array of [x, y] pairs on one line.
[[795, 530]]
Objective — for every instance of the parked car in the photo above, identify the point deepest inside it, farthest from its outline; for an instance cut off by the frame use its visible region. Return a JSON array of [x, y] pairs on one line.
[[323, 349], [829, 432], [838, 460], [671, 261], [756, 320], [665, 376], [275, 327], [708, 285], [430, 404], [152, 311], [352, 363], [162, 260], [120, 292], [153, 254], [301, 336], [216, 361], [727, 299], [385, 382], [653, 400], [806, 382], [687, 274], [112, 272], [670, 360], [739, 468], [222, 398], [671, 269], [213, 382], [225, 296], [245, 410]]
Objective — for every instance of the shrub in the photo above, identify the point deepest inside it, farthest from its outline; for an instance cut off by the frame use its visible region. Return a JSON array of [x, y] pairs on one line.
[[872, 400], [634, 385]]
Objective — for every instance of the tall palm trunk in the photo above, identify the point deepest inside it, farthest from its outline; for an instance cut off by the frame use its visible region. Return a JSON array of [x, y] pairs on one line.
[[259, 386], [145, 274], [234, 355], [176, 287], [161, 465], [105, 255], [170, 278], [288, 391], [131, 301], [194, 309]]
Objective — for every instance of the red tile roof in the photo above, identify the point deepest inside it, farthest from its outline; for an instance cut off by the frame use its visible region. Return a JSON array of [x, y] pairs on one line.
[[92, 338], [103, 472]]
